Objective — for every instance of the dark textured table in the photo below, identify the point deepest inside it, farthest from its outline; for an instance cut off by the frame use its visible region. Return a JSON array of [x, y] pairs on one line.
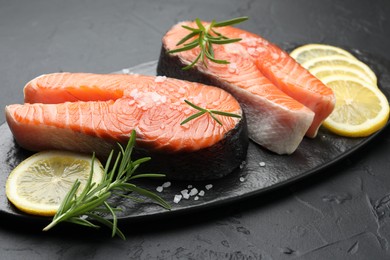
[[342, 212]]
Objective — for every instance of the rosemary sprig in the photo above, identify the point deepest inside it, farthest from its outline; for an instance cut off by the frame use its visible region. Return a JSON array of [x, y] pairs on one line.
[[92, 202], [203, 111], [205, 37]]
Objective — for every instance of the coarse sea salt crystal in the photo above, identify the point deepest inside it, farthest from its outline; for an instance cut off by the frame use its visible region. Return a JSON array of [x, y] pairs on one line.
[[182, 90], [201, 193], [252, 51], [185, 194], [177, 198], [187, 112], [166, 184], [260, 49], [262, 164], [159, 189], [134, 93], [160, 79], [275, 56], [194, 191], [196, 198], [125, 71], [250, 41], [186, 126], [208, 186], [189, 186], [232, 67]]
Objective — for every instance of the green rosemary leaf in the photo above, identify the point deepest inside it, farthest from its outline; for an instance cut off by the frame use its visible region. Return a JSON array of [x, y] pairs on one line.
[[210, 50], [67, 201], [231, 21], [200, 25], [147, 175], [224, 113], [193, 63], [191, 29], [216, 119], [114, 219], [192, 117], [89, 181], [185, 48], [91, 205], [195, 106], [133, 198], [83, 222], [150, 195], [204, 110], [223, 41], [141, 160], [220, 36], [186, 38], [215, 60], [212, 23], [107, 223]]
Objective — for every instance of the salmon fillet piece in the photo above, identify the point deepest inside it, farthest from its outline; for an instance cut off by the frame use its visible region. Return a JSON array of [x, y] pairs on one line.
[[276, 121], [287, 74], [91, 112]]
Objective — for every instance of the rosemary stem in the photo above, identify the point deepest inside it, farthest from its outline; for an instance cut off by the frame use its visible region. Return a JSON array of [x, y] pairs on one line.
[[55, 221]]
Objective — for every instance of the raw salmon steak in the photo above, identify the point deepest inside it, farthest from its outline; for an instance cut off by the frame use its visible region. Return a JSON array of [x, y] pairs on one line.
[[282, 101], [92, 112]]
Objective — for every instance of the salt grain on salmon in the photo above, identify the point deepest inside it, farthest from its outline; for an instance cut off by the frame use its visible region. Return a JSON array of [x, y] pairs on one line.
[[160, 79], [92, 112]]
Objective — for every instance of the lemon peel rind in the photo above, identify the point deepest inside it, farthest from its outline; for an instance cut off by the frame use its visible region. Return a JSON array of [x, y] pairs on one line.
[[297, 52], [310, 64]]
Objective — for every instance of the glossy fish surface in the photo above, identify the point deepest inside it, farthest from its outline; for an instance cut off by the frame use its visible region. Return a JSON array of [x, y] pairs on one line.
[[260, 76], [92, 112]]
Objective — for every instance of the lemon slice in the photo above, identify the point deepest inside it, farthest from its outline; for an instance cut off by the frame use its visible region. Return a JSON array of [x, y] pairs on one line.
[[361, 109], [39, 184], [328, 70], [311, 51], [334, 60]]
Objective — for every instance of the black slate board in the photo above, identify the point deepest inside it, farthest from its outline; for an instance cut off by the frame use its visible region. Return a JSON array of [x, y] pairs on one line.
[[262, 171]]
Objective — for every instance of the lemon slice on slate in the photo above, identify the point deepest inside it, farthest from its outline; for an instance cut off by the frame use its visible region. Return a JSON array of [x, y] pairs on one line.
[[334, 60], [329, 70], [313, 50], [38, 185], [361, 108]]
